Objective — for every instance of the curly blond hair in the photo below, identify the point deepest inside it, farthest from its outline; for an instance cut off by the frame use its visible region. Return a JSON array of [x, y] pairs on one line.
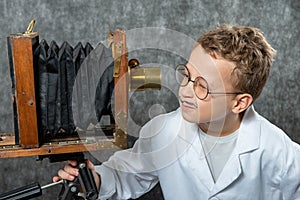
[[248, 49]]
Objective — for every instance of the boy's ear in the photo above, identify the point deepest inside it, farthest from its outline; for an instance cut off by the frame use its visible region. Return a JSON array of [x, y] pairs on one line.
[[242, 102]]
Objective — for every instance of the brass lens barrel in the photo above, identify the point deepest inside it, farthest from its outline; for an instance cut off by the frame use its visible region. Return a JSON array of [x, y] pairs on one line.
[[145, 78]]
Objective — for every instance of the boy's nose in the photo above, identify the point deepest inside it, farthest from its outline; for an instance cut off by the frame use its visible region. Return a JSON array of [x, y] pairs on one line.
[[187, 91]]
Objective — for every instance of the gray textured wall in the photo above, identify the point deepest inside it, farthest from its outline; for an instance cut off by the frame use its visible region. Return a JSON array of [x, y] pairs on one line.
[[90, 21]]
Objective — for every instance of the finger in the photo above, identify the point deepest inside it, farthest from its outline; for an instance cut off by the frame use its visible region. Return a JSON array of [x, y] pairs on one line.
[[64, 175], [72, 163], [56, 179], [71, 170]]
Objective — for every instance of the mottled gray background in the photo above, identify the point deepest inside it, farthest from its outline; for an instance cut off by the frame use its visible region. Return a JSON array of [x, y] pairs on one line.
[[90, 21]]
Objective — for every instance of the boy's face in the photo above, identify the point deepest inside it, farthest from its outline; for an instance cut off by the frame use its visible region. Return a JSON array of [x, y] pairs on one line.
[[218, 74]]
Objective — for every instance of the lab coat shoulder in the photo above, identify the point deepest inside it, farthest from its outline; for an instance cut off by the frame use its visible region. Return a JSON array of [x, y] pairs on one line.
[[279, 156], [279, 145], [258, 133], [160, 130], [287, 153]]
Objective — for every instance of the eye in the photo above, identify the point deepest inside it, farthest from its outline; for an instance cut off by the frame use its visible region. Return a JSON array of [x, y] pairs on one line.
[[200, 85], [185, 73], [200, 82], [182, 75]]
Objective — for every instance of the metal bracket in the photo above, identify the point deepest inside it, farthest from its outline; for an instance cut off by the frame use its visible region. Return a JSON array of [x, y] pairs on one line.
[[117, 64]]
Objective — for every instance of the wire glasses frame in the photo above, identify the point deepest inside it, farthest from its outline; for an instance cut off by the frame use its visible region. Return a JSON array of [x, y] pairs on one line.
[[200, 85]]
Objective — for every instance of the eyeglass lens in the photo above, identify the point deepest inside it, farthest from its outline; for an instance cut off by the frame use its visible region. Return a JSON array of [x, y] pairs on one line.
[[199, 84]]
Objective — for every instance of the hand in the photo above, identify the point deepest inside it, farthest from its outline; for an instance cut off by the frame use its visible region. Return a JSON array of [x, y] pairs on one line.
[[69, 172]]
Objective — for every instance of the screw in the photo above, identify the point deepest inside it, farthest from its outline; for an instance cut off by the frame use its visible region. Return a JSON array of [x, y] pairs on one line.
[[82, 165], [73, 189]]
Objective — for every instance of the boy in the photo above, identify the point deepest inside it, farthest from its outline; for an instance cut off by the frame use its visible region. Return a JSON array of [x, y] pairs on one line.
[[215, 146]]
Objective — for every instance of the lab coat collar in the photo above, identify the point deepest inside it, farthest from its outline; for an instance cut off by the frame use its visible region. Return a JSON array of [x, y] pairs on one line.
[[248, 140], [249, 132]]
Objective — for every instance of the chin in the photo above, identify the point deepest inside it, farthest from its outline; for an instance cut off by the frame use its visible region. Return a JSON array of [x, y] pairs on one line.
[[189, 116], [195, 117]]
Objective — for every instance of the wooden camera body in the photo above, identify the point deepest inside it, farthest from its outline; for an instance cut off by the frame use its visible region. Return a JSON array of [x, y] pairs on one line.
[[26, 141]]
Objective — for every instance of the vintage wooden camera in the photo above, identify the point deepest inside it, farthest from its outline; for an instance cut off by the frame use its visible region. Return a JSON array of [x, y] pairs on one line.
[[32, 137], [47, 81]]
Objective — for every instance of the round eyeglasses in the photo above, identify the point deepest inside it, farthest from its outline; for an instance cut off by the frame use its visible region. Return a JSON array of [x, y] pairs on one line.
[[200, 85]]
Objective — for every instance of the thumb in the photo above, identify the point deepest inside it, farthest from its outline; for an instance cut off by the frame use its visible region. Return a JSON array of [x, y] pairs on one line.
[[56, 179], [97, 177], [90, 165]]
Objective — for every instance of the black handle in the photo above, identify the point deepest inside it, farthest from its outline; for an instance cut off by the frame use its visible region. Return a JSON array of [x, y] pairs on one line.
[[87, 182], [26, 192], [85, 178]]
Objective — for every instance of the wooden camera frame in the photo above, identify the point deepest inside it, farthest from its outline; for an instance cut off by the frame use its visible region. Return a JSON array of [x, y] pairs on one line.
[[25, 141]]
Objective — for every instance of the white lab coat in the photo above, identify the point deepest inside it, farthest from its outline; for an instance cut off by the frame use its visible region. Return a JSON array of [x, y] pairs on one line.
[[265, 163]]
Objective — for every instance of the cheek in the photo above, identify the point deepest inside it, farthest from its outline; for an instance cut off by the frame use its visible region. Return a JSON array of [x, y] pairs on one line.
[[204, 112], [208, 110], [180, 91], [218, 108], [211, 109], [187, 91]]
